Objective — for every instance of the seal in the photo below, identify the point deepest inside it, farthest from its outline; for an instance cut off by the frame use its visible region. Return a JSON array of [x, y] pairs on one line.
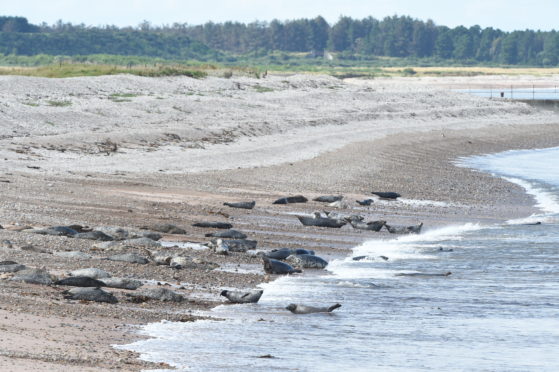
[[272, 266], [321, 222], [56, 231], [90, 294], [129, 257], [158, 294], [304, 309], [91, 272], [94, 235], [80, 281], [307, 261], [34, 276], [235, 245], [122, 283], [291, 199], [371, 226], [241, 205], [238, 297], [424, 275], [329, 198], [230, 234], [365, 202], [166, 228], [416, 229], [386, 195], [283, 253], [213, 225]]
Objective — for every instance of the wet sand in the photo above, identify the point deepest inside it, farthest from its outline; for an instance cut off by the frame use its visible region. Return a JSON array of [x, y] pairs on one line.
[[305, 147]]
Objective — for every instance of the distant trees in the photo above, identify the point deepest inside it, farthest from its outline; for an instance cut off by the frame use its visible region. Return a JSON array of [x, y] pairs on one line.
[[396, 36]]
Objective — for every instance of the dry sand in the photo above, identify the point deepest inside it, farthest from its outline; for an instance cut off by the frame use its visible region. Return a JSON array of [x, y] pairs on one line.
[[128, 151]]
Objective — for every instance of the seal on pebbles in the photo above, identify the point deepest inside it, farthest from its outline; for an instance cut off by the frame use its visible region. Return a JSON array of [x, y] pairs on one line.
[[90, 294]]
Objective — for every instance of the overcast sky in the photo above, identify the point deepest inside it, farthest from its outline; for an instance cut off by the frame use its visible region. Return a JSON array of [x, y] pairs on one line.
[[504, 14]]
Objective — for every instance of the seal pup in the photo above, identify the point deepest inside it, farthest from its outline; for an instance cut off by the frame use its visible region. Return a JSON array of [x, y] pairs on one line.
[[365, 202], [416, 229], [239, 297], [304, 309], [386, 195], [231, 234], [291, 199], [213, 225], [329, 198], [272, 266]]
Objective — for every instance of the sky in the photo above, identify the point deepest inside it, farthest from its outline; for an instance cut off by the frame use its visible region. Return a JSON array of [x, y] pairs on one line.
[[507, 15]]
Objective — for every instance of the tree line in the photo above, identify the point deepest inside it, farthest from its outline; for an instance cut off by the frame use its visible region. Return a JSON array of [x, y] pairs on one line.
[[396, 36]]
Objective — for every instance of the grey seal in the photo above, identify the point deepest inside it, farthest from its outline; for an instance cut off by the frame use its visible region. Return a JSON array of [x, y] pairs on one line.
[[94, 235], [129, 257], [386, 195], [370, 226], [213, 225], [90, 294], [80, 281], [329, 198], [241, 205], [158, 294], [365, 202], [231, 234], [34, 276], [415, 229], [321, 222], [73, 254], [235, 245], [283, 253], [56, 231], [11, 267], [291, 199], [307, 261], [424, 275], [122, 283], [91, 272], [167, 228], [272, 266], [304, 309], [239, 297]]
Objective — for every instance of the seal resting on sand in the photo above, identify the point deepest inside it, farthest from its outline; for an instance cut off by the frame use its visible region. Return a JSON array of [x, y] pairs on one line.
[[328, 198], [239, 297], [213, 225], [242, 205], [386, 195], [90, 294], [303, 309], [371, 226], [231, 234], [80, 281], [321, 222], [291, 199], [365, 202], [277, 267], [283, 253]]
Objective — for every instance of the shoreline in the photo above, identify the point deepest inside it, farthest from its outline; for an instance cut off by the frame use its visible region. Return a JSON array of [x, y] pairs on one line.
[[417, 166]]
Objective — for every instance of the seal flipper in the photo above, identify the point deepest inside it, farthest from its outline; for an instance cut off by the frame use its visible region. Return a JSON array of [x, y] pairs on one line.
[[334, 307]]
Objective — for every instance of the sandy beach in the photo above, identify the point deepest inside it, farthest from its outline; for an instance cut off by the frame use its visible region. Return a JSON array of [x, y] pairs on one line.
[[131, 152]]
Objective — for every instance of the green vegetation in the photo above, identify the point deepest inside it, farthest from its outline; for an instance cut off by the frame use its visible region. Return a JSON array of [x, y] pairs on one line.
[[365, 48], [59, 103]]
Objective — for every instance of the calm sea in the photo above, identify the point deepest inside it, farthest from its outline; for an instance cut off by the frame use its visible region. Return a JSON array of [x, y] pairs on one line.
[[498, 311]]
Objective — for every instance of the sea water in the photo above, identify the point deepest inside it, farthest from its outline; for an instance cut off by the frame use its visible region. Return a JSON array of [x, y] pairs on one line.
[[497, 311]]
